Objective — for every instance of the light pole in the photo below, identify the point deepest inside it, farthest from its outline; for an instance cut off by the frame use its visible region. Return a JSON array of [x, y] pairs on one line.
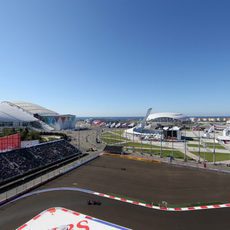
[[214, 147], [185, 147], [172, 141], [205, 152], [79, 138], [151, 142], [161, 143], [141, 145], [199, 145], [133, 141]]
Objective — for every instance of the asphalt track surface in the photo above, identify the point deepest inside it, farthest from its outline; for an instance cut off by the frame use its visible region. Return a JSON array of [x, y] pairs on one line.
[[105, 174], [149, 182]]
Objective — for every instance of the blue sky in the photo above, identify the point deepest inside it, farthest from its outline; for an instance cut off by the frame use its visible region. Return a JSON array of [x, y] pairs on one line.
[[117, 57]]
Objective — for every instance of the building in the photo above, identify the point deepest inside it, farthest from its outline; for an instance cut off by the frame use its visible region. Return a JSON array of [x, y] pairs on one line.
[[13, 117], [160, 126], [25, 114], [167, 119], [203, 119]]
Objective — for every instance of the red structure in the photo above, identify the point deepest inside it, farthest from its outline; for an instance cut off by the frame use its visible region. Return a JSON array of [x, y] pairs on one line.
[[10, 142]]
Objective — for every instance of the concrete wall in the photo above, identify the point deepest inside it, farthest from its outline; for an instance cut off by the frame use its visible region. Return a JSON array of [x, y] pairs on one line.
[[10, 194]]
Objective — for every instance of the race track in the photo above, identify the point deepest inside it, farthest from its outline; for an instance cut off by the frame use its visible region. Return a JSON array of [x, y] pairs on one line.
[[140, 181]]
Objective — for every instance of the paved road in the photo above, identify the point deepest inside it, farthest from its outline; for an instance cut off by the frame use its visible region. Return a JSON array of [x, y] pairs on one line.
[[144, 181], [148, 182], [127, 215]]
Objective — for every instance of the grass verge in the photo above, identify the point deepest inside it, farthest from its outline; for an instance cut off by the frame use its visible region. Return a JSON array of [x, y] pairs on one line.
[[208, 145], [209, 156]]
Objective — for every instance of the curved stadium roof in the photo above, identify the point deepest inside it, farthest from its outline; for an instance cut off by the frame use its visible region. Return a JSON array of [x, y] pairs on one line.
[[10, 113], [33, 108], [177, 116]]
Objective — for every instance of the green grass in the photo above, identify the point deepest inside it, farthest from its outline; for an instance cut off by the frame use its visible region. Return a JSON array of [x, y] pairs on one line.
[[120, 132], [110, 141], [135, 144], [165, 153], [209, 156], [154, 150], [195, 145], [211, 145], [109, 135], [175, 154], [208, 145], [109, 138], [114, 136]]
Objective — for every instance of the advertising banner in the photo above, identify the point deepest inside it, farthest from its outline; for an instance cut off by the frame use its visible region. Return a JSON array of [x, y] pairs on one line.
[[10, 142], [64, 219]]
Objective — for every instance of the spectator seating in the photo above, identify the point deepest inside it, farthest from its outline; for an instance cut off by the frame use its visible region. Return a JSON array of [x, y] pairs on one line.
[[22, 161]]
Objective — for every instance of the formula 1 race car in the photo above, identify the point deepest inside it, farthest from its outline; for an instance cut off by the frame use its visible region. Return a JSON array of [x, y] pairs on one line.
[[94, 202]]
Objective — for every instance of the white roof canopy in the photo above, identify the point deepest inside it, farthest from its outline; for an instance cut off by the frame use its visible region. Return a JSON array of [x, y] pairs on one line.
[[9, 113]]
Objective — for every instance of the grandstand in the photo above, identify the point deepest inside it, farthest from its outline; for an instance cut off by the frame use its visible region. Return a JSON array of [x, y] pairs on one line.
[[20, 162]]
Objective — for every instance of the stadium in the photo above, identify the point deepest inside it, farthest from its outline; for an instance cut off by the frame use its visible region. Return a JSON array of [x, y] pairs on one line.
[[60, 180], [11, 116], [60, 185], [160, 126], [167, 119], [25, 114], [131, 200]]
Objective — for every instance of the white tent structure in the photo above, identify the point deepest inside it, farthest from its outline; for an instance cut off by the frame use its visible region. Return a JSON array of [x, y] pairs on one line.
[[226, 135]]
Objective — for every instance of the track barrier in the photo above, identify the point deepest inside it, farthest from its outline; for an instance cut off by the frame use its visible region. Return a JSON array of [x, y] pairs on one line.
[[17, 191], [146, 205]]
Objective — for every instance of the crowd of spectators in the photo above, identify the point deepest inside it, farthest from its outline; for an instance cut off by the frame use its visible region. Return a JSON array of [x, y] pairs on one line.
[[21, 161]]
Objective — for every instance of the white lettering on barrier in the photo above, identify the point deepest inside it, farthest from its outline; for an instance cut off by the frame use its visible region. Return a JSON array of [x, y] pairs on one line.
[[64, 219]]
